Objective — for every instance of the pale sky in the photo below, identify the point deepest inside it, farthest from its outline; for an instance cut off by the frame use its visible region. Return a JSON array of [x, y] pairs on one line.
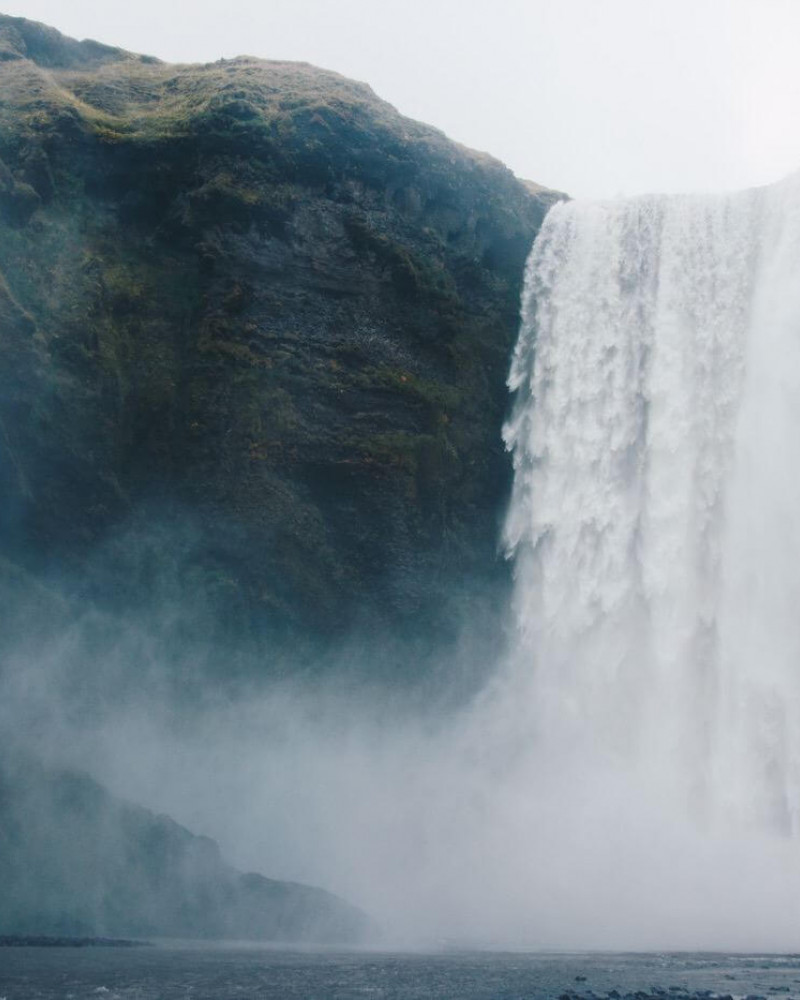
[[594, 97]]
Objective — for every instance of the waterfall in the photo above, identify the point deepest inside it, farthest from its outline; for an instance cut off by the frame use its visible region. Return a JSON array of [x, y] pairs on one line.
[[655, 513]]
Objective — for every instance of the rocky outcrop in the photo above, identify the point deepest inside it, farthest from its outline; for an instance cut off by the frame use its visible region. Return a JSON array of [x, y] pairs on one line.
[[254, 332], [77, 861]]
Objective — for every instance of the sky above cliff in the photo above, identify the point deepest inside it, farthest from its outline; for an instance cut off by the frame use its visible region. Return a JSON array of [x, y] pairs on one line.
[[594, 97]]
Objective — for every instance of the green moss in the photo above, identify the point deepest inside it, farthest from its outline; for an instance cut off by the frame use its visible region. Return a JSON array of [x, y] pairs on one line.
[[258, 294], [438, 394], [212, 343], [412, 274]]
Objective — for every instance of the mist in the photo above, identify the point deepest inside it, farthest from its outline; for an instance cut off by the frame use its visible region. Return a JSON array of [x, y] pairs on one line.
[[456, 828]]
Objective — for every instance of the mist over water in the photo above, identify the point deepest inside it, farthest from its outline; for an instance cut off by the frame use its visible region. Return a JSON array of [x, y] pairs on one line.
[[628, 778]]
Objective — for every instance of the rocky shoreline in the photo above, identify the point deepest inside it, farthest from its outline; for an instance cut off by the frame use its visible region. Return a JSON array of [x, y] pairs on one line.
[[670, 992], [48, 941]]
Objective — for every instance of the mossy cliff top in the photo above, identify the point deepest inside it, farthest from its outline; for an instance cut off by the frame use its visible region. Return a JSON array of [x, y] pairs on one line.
[[254, 333]]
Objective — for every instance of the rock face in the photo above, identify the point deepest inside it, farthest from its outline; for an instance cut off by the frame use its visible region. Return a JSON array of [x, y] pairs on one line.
[[74, 860], [254, 333]]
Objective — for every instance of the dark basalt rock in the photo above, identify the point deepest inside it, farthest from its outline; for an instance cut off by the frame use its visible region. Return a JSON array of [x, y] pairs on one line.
[[254, 331], [46, 941], [653, 994]]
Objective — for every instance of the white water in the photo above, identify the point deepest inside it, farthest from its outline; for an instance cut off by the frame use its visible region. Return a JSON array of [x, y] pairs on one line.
[[655, 517]]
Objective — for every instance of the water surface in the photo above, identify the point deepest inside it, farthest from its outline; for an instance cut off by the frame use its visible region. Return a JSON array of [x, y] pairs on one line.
[[219, 972]]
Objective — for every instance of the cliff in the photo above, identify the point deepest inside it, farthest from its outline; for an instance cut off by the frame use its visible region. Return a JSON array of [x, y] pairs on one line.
[[75, 860], [254, 333]]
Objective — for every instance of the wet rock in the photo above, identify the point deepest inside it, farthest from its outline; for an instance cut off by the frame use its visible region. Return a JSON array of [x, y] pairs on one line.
[[272, 323]]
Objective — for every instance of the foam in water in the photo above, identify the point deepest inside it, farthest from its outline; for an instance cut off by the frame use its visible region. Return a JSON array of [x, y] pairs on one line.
[[655, 517]]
